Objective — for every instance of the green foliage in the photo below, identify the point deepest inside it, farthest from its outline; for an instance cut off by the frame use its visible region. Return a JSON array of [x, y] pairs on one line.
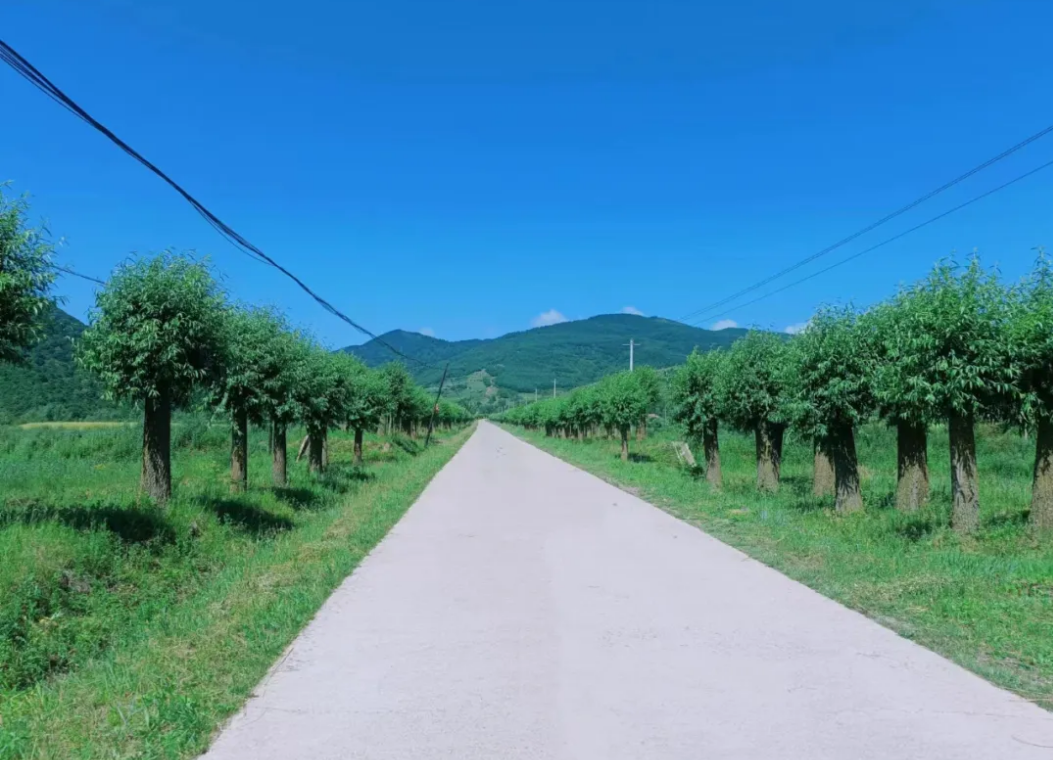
[[696, 392], [751, 388], [156, 327], [250, 337], [50, 385], [26, 277], [943, 346], [828, 373], [319, 395], [1032, 337], [624, 400]]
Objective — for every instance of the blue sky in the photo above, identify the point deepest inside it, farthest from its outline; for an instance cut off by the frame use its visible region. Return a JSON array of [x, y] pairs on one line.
[[470, 167]]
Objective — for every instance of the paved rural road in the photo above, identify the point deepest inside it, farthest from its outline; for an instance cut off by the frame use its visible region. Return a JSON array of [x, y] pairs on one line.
[[525, 609]]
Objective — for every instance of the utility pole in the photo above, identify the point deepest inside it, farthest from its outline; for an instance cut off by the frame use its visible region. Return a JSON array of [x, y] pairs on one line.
[[632, 345], [553, 388]]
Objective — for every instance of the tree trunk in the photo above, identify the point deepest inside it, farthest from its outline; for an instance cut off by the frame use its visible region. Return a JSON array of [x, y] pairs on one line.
[[912, 455], [315, 458], [842, 447], [358, 446], [823, 481], [769, 455], [239, 452], [965, 513], [1042, 487], [325, 449], [156, 477], [641, 429], [279, 466], [711, 447], [625, 444]]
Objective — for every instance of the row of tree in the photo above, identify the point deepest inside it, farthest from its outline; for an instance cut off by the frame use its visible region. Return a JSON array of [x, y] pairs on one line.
[[616, 404], [957, 348], [162, 335]]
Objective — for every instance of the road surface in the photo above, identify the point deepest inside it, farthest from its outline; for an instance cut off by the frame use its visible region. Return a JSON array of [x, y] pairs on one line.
[[523, 609]]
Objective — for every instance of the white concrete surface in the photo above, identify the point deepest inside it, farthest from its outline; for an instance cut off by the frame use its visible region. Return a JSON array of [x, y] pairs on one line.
[[525, 609]]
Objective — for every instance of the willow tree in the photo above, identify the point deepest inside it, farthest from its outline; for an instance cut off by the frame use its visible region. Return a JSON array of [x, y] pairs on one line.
[[26, 277], [950, 354], [829, 392], [697, 404], [156, 333], [624, 401], [1032, 337], [751, 389], [365, 405], [281, 371], [238, 388], [318, 397], [651, 386]]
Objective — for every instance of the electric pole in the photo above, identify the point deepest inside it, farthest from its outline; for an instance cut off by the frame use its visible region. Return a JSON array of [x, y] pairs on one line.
[[632, 345], [553, 388]]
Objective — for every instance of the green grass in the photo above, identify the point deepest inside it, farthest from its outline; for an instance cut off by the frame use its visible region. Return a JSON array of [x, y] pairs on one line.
[[985, 602], [128, 631]]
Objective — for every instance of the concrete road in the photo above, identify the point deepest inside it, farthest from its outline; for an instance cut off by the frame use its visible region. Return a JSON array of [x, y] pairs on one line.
[[525, 609]]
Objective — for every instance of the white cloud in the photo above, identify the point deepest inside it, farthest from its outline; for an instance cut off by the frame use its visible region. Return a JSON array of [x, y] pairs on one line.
[[797, 328], [632, 310], [427, 331], [546, 318], [724, 324]]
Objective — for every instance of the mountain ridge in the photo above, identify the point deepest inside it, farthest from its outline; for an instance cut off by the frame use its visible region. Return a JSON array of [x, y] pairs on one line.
[[571, 353]]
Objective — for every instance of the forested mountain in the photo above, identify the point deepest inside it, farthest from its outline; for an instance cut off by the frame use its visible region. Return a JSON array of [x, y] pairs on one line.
[[49, 385], [571, 353]]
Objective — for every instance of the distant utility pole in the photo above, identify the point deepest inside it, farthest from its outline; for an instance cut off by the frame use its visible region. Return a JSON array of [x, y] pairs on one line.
[[553, 388], [632, 345]]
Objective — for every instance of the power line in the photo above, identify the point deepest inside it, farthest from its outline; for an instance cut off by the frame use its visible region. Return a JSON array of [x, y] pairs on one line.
[[27, 70], [703, 312], [66, 270], [883, 243]]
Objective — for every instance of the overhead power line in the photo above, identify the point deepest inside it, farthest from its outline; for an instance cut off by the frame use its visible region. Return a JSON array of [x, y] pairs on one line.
[[704, 312], [69, 271], [883, 243], [27, 70]]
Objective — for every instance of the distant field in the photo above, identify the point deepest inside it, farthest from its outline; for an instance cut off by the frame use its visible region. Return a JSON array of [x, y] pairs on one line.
[[74, 425], [985, 601]]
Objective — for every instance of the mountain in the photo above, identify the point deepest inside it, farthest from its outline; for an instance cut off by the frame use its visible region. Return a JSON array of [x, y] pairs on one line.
[[571, 353], [49, 385]]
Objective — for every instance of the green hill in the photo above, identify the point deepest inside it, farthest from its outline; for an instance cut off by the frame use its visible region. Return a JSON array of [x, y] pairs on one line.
[[49, 385], [571, 353]]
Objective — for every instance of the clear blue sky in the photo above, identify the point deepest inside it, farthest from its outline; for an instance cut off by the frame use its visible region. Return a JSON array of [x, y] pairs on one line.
[[468, 165]]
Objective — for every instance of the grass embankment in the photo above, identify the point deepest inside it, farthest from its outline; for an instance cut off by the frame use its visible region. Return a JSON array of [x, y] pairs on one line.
[[985, 602], [132, 632]]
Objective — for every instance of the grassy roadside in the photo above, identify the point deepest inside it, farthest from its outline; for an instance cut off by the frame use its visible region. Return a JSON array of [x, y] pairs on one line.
[[984, 602], [193, 614]]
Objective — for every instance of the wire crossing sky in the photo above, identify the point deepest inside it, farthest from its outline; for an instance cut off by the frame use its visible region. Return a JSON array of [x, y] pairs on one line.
[[477, 170]]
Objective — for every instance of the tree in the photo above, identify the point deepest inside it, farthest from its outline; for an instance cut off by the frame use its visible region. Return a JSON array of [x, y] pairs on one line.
[[751, 389], [238, 388], [902, 397], [1032, 336], [319, 397], [949, 353], [280, 369], [366, 404], [651, 386], [399, 395], [156, 333], [829, 392], [26, 277], [624, 402], [697, 404]]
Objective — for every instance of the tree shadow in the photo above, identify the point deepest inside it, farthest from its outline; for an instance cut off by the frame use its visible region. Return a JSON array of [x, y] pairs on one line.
[[808, 503], [248, 517], [919, 526], [341, 478], [409, 445], [131, 525], [298, 498], [639, 457], [1015, 519]]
